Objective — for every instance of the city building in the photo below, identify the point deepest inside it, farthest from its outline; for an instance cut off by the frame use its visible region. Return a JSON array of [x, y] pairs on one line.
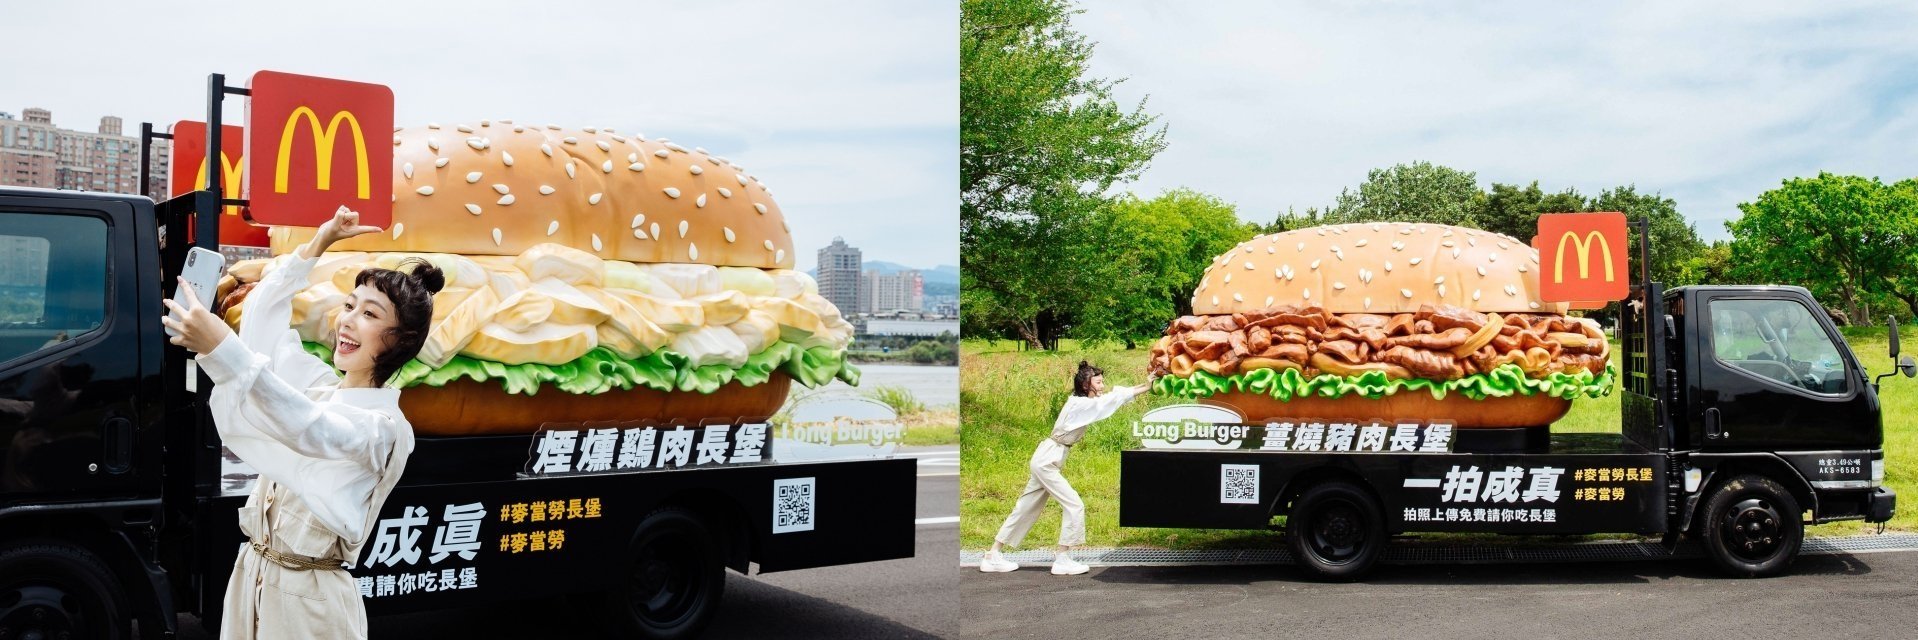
[[883, 292], [36, 153], [839, 275]]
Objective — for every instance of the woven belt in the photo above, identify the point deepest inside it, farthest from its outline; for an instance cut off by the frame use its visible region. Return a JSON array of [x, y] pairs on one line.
[[295, 562]]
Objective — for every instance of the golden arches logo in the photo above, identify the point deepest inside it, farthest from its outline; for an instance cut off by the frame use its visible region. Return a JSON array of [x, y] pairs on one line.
[[230, 178], [1584, 247], [323, 138]]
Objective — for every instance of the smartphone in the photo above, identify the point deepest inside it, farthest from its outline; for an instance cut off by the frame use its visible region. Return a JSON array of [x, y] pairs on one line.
[[202, 272]]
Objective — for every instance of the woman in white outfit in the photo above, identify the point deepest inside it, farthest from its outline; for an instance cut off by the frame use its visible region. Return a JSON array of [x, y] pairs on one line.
[[329, 441], [1089, 403]]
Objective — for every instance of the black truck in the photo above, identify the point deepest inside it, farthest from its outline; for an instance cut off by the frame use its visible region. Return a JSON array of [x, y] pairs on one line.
[[1745, 416], [117, 504]]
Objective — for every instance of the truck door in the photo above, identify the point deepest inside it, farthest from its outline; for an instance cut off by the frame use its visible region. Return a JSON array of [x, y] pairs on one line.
[[69, 357], [1772, 374]]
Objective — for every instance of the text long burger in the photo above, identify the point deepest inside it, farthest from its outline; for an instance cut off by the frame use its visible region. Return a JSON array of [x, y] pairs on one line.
[[608, 276], [1382, 321]]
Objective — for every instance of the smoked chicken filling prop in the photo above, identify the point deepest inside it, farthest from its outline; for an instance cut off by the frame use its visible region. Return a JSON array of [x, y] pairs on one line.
[[614, 276]]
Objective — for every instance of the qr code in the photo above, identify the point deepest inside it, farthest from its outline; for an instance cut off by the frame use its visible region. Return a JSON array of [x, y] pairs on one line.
[[1239, 484], [792, 505]]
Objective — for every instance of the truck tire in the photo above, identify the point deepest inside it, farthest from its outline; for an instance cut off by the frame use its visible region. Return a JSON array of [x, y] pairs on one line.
[[59, 591], [1335, 531], [1752, 527], [672, 587]]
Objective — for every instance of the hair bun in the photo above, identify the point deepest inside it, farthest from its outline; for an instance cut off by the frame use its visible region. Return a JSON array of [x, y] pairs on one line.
[[427, 275], [1083, 364]]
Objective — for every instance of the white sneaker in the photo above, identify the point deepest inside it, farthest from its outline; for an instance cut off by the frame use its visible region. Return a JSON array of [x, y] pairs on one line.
[[1064, 565], [995, 563]]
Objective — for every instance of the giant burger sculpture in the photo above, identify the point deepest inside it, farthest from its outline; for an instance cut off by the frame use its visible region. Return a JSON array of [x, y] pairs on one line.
[[1382, 321], [608, 276]]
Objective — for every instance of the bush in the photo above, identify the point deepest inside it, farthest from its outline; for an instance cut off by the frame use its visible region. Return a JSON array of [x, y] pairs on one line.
[[899, 398]]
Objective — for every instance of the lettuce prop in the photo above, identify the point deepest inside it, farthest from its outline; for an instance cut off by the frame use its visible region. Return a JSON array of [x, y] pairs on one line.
[[1286, 384], [601, 370]]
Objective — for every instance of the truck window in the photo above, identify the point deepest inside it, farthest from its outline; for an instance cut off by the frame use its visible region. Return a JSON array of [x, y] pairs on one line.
[[53, 280], [1777, 340]]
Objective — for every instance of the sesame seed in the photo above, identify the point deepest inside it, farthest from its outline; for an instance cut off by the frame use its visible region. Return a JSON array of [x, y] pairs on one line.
[[441, 163], [472, 208], [671, 192], [654, 228], [546, 149], [606, 167], [1491, 257], [545, 190], [1475, 295], [1439, 280], [760, 208], [1481, 272], [593, 199], [1405, 292], [570, 140], [1307, 294], [506, 158], [552, 228], [569, 170], [637, 166], [464, 129], [425, 191], [506, 200], [1315, 265], [472, 177], [433, 143], [700, 201], [1534, 305], [769, 245], [663, 153], [637, 233], [1238, 297], [696, 169], [682, 228], [597, 246], [496, 238], [1414, 261], [638, 219], [779, 256], [1361, 241], [725, 192], [398, 228], [603, 146], [503, 189], [1339, 286], [407, 169]]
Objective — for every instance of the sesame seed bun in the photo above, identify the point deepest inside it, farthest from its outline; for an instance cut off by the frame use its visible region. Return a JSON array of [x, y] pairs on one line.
[[499, 188], [1384, 267]]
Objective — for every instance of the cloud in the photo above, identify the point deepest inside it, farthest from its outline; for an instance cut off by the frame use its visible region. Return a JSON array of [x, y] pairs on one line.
[[1273, 106], [848, 109]]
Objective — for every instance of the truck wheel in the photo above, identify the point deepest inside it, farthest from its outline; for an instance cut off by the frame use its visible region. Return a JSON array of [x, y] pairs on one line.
[[58, 592], [1335, 531], [1752, 527], [673, 586]]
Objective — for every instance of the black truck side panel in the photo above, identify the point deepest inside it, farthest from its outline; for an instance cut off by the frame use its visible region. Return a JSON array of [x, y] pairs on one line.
[[861, 511], [1544, 493]]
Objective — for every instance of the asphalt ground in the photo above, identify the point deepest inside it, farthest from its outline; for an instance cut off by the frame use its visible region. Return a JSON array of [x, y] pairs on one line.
[[915, 597], [1864, 595]]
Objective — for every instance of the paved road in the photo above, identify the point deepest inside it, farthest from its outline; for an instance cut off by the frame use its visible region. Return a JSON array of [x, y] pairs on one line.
[[1868, 595], [915, 597]]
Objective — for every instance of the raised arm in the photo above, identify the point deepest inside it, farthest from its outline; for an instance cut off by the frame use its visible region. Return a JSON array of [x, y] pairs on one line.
[[249, 401]]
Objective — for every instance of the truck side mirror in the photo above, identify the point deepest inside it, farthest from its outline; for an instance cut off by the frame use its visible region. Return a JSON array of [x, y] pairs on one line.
[[1908, 366], [1892, 321]]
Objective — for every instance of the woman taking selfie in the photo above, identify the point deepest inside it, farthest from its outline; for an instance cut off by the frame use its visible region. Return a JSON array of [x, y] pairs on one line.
[[329, 441], [1089, 403]]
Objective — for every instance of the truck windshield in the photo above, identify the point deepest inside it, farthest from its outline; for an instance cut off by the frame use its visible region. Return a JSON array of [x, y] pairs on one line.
[[53, 280], [1777, 340]]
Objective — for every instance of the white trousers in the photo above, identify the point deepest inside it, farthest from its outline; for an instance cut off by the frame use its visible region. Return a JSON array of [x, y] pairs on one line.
[[1046, 480]]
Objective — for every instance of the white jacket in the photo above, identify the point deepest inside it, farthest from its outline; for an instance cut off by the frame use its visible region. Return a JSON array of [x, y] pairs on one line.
[[1082, 411], [327, 458]]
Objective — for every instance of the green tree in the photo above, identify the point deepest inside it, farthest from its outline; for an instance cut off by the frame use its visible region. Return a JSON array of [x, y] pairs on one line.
[[1041, 144], [1843, 237], [1158, 248], [1513, 210], [1417, 192]]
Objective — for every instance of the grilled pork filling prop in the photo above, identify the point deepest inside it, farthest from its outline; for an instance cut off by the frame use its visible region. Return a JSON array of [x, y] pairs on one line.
[[1382, 321]]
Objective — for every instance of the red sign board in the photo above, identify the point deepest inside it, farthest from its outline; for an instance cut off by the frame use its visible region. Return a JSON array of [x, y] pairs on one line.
[[1582, 258], [189, 167], [313, 144]]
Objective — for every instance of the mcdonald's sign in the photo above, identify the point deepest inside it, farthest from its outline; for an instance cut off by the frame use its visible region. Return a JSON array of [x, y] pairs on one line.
[[313, 144], [189, 167], [1582, 258]]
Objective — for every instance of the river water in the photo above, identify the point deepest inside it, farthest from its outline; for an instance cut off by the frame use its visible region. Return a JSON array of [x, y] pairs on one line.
[[933, 386]]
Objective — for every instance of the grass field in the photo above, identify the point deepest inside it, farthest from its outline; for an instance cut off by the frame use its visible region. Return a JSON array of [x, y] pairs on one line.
[[1008, 398]]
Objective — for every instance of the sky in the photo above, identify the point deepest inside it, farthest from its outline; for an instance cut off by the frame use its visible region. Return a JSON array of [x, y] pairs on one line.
[[848, 109], [1273, 105]]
